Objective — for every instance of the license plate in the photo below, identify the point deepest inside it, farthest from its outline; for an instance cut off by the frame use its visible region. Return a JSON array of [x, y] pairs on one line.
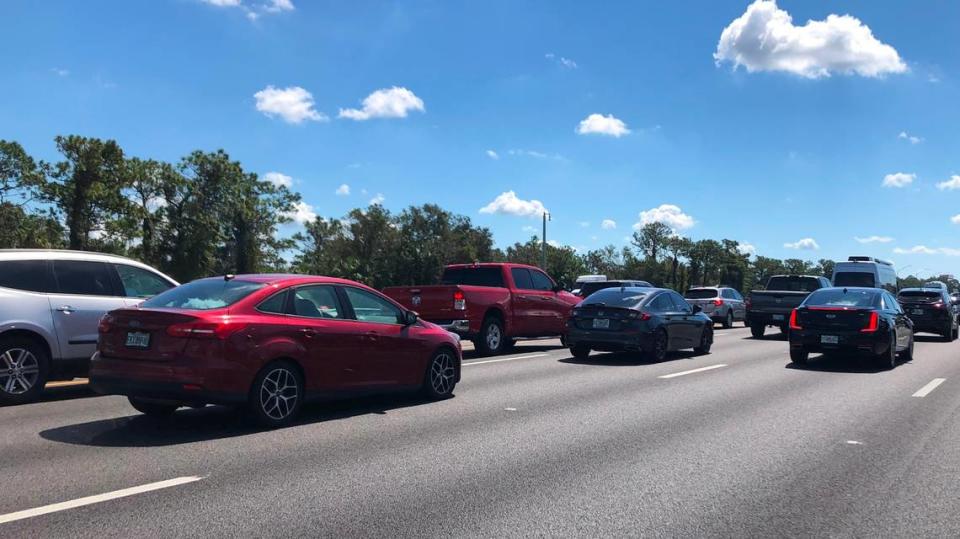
[[601, 323], [138, 339], [916, 311], [778, 317], [829, 339]]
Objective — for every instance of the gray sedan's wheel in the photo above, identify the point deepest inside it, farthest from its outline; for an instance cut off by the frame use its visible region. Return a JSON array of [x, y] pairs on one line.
[[24, 368], [441, 375], [277, 394], [706, 341], [660, 345]]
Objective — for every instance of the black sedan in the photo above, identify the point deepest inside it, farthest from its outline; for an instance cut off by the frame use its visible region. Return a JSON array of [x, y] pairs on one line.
[[852, 320], [652, 321]]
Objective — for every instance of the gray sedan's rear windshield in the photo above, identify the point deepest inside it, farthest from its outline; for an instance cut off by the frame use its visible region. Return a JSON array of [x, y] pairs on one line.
[[701, 293], [203, 295], [794, 284], [843, 298], [614, 297]]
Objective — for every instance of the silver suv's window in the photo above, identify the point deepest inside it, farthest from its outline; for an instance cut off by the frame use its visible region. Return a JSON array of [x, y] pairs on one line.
[[83, 278], [140, 283], [29, 275]]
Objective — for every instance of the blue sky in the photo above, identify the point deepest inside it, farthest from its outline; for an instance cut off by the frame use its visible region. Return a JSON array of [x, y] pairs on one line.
[[781, 131]]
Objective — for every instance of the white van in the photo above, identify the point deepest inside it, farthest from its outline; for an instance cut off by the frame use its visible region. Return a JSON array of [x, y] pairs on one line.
[[865, 271]]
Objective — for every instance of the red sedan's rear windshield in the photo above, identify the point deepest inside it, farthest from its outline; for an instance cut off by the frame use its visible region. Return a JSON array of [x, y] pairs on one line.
[[203, 295]]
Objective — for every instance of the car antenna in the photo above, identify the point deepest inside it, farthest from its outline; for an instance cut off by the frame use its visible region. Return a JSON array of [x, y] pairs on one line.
[[229, 277]]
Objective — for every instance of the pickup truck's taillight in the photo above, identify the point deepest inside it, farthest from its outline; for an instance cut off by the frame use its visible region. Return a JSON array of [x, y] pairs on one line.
[[459, 301]]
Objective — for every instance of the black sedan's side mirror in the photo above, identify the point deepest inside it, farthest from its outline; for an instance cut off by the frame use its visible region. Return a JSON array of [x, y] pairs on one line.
[[410, 318], [697, 309]]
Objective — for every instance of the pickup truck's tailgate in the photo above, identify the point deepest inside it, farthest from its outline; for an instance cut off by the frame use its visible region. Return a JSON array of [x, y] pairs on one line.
[[430, 302], [776, 301]]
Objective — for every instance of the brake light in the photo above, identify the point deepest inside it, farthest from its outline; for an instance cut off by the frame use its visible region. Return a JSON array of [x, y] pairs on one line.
[[205, 330], [938, 305], [794, 323], [748, 303], [873, 324], [644, 316], [718, 302], [106, 324], [459, 301]]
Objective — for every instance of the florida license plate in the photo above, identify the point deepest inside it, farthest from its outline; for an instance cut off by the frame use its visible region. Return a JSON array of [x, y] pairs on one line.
[[601, 323], [916, 311], [778, 317], [829, 339], [138, 339]]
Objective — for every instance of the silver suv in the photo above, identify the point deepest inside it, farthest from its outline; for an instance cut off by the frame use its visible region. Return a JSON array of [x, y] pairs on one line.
[[50, 306], [722, 304]]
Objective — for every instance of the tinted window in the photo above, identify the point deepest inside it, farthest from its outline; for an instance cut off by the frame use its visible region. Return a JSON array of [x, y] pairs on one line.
[[316, 302], [836, 297], [926, 296], [203, 295], [30, 275], [679, 303], [370, 308], [140, 283], [662, 304], [521, 278], [541, 281], [83, 278], [473, 276], [727, 293], [856, 278], [793, 284], [701, 293], [613, 297], [276, 303]]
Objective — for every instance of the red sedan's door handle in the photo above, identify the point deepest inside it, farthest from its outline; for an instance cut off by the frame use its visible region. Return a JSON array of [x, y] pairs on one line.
[[371, 335], [308, 333]]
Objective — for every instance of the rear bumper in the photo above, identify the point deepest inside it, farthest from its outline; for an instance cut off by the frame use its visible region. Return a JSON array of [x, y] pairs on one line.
[[768, 318], [868, 343], [169, 391], [608, 341], [460, 327]]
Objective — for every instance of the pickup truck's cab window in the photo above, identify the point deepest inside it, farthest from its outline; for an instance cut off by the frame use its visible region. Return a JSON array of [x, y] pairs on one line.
[[540, 281], [521, 278], [479, 276]]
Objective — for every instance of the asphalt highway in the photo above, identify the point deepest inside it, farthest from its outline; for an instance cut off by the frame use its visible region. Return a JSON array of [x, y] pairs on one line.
[[736, 443]]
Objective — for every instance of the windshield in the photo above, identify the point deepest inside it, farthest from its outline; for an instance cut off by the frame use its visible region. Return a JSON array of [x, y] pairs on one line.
[[482, 276], [920, 296], [701, 293], [854, 278], [793, 284], [615, 297], [590, 288], [203, 295], [841, 297]]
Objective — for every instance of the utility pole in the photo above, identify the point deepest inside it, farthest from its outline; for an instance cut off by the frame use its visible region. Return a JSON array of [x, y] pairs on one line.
[[543, 250]]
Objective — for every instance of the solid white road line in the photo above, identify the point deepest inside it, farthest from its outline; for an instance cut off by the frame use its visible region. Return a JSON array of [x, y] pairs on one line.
[[925, 390], [692, 371], [89, 500], [528, 356]]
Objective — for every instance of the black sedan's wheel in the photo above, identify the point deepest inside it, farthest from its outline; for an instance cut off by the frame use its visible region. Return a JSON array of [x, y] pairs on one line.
[[492, 341], [580, 351], [888, 359], [799, 356], [658, 352], [706, 341], [441, 375], [153, 408], [24, 367], [276, 395], [757, 330], [907, 354], [728, 320]]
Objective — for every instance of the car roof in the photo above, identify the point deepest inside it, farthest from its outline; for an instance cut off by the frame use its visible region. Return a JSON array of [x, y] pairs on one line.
[[66, 254], [491, 265], [854, 288], [285, 278], [922, 289]]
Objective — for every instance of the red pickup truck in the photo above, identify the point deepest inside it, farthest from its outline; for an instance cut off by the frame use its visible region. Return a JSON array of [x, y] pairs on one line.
[[491, 304]]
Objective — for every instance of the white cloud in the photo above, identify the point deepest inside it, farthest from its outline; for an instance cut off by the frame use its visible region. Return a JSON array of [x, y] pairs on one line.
[[393, 102], [278, 179], [806, 244], [377, 199], [343, 190], [223, 3], [924, 250], [874, 239], [584, 224], [955, 219], [913, 139], [554, 243], [60, 72], [535, 154], [529, 228], [747, 249], [764, 38], [277, 6], [608, 224], [561, 61], [492, 155], [293, 104], [668, 214], [950, 185], [302, 213], [252, 9], [507, 203], [598, 124], [898, 179]]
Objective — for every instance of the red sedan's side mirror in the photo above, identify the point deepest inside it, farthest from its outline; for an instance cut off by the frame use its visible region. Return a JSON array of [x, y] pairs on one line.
[[410, 318]]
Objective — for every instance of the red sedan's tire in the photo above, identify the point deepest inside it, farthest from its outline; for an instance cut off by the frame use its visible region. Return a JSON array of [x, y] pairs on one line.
[[277, 394]]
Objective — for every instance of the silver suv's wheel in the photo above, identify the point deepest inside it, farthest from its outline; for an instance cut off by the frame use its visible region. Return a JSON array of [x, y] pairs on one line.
[[277, 394], [23, 370]]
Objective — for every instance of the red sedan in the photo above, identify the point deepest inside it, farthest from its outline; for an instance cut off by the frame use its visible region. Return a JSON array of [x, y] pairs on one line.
[[270, 342]]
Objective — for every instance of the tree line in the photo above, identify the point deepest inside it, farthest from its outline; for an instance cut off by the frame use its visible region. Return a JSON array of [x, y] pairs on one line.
[[206, 215]]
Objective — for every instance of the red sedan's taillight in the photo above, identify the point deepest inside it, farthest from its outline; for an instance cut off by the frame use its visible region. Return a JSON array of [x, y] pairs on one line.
[[106, 323], [205, 330], [794, 323], [873, 324], [459, 301]]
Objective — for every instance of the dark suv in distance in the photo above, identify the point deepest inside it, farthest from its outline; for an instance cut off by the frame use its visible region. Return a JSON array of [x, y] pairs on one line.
[[724, 305], [932, 310], [594, 286]]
